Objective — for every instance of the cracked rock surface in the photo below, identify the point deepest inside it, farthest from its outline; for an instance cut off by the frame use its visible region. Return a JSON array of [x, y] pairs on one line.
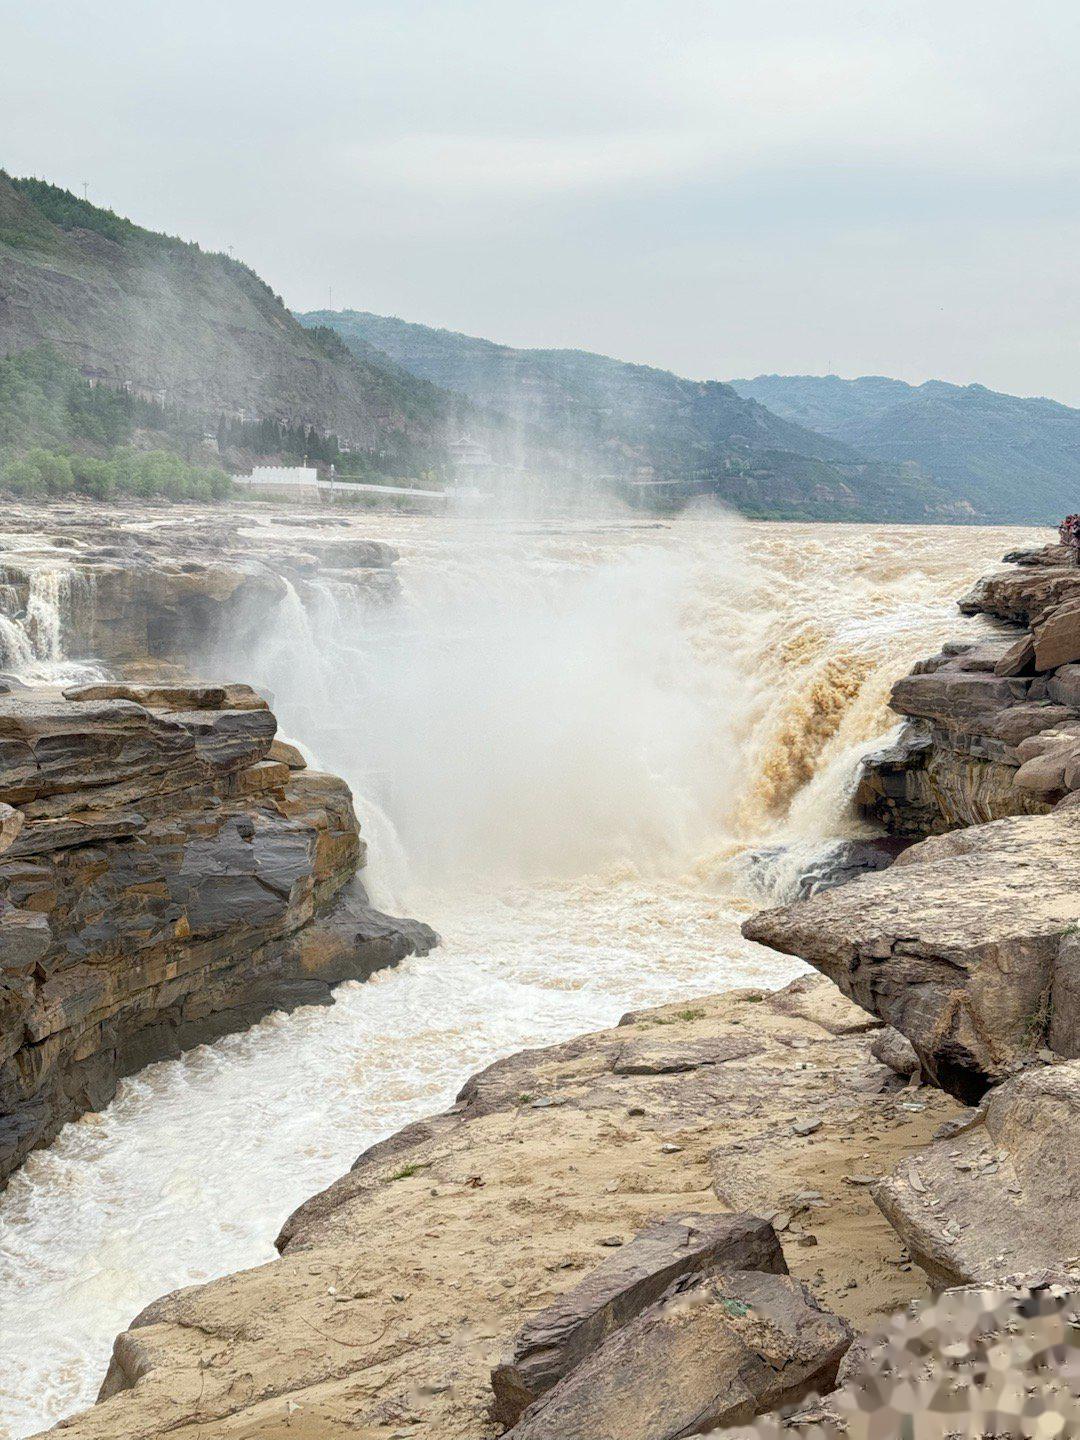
[[963, 946]]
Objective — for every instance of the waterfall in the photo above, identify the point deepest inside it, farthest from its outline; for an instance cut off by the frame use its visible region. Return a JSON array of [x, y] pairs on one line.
[[50, 597], [564, 743], [578, 702], [32, 635]]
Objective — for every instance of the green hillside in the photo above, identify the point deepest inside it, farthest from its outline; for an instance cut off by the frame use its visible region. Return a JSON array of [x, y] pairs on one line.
[[196, 331]]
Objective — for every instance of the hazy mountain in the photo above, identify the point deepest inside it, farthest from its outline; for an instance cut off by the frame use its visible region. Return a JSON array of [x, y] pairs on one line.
[[204, 335], [636, 422], [1013, 459], [134, 308]]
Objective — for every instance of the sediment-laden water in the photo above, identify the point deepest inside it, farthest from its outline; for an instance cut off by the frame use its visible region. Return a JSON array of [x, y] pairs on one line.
[[565, 740]]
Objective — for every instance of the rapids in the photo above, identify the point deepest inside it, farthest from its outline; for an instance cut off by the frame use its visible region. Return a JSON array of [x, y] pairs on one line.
[[564, 741]]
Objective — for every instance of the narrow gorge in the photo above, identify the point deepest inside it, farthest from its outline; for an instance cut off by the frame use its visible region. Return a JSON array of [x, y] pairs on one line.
[[583, 752]]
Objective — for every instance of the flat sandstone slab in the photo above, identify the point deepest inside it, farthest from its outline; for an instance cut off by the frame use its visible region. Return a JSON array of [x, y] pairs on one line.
[[407, 1281], [716, 1351]]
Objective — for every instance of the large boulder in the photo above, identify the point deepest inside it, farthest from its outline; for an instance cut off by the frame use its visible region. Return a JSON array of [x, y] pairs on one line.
[[963, 946], [953, 694], [1003, 1194], [553, 1342], [716, 1350], [1057, 636], [896, 1051], [1024, 595]]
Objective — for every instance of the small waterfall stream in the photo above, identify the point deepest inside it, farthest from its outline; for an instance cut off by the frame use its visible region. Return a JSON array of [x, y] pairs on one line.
[[32, 634]]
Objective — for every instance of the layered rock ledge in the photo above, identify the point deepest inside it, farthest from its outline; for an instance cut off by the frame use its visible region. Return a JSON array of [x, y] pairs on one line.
[[993, 725], [168, 872], [966, 946]]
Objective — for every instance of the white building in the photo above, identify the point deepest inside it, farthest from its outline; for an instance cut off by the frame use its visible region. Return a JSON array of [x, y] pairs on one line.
[[282, 475]]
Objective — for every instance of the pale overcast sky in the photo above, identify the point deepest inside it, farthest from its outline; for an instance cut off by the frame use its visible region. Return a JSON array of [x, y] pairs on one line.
[[887, 187]]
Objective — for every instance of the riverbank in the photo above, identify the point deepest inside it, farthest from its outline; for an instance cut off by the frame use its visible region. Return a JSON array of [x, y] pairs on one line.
[[401, 1286]]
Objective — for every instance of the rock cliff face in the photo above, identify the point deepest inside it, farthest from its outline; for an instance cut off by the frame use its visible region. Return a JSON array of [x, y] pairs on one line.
[[994, 726], [166, 875], [134, 588], [965, 946]]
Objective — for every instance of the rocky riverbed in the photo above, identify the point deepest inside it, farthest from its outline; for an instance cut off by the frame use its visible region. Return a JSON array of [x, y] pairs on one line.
[[681, 1222], [136, 589]]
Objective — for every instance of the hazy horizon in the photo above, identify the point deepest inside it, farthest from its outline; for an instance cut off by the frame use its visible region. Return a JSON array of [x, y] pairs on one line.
[[689, 186]]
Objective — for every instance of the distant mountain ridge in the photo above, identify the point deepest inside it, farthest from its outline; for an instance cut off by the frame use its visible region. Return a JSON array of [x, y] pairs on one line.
[[181, 328], [1014, 459], [600, 397], [638, 423]]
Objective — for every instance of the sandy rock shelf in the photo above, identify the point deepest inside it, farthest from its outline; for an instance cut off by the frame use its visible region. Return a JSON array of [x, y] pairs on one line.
[[405, 1283]]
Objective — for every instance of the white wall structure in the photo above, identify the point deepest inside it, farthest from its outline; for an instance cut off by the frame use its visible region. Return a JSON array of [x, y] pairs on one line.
[[282, 475]]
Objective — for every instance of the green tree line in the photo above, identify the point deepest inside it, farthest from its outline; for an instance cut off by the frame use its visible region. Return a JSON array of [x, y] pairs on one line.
[[141, 473]]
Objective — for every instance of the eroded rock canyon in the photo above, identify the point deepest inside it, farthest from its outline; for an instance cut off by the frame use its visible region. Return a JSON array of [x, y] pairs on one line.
[[657, 1230], [169, 869]]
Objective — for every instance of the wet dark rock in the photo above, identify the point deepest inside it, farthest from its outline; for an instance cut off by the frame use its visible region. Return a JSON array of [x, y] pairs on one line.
[[161, 883]]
